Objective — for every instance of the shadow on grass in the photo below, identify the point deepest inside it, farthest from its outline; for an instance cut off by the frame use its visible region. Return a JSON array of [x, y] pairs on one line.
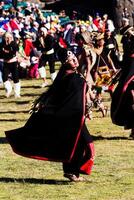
[[3, 140], [99, 137], [12, 120], [31, 86], [35, 86], [15, 101], [29, 95], [22, 102], [34, 181], [14, 112]]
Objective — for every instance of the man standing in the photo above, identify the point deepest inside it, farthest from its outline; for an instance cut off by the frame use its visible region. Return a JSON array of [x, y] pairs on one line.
[[9, 53], [45, 43]]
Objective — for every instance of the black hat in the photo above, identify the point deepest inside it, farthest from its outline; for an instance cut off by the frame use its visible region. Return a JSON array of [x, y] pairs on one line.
[[63, 54]]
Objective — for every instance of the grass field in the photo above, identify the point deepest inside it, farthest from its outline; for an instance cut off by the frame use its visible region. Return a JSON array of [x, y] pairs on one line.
[[21, 178]]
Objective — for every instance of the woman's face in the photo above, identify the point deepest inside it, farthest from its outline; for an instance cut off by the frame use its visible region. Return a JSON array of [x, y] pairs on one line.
[[72, 60], [8, 38]]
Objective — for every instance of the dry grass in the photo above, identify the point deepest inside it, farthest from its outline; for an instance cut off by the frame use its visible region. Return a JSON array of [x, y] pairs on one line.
[[27, 179]]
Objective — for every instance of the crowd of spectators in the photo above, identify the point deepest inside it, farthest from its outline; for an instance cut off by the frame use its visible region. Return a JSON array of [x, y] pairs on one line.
[[40, 33]]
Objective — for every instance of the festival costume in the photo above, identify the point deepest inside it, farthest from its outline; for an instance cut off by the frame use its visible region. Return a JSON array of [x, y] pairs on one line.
[[56, 131], [10, 65], [48, 54], [122, 106]]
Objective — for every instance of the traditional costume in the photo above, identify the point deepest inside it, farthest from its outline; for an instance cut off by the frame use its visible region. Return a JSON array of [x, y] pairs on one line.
[[122, 106], [56, 130]]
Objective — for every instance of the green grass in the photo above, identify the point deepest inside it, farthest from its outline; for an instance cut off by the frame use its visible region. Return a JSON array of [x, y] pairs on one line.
[[21, 178]]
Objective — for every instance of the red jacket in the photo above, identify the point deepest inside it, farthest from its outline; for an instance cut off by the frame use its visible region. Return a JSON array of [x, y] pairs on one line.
[[28, 46]]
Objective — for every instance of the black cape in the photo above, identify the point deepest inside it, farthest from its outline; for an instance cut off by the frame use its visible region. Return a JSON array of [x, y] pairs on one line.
[[53, 132], [122, 105]]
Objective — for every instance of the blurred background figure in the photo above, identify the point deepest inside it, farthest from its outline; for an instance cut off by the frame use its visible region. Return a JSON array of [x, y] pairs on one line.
[[9, 53], [46, 43]]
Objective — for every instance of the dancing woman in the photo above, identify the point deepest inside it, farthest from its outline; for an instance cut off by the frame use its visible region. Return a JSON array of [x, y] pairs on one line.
[[56, 130]]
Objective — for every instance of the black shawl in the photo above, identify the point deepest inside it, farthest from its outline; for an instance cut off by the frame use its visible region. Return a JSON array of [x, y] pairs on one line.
[[52, 133]]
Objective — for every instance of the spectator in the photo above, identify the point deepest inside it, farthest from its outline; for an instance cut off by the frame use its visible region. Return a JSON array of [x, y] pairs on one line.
[[9, 52], [45, 43], [2, 32]]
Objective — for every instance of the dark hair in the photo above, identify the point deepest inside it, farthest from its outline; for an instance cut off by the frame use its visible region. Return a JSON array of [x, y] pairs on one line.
[[44, 97]]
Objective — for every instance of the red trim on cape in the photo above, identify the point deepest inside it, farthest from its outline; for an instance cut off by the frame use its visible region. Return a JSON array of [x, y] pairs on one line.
[[38, 157], [86, 168], [82, 121], [127, 83]]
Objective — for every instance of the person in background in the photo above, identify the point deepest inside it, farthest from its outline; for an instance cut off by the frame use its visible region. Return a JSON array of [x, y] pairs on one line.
[[125, 25], [111, 47], [122, 105], [68, 34], [45, 43], [126, 40], [107, 24], [74, 15], [9, 53], [56, 130], [28, 44], [98, 22], [23, 60], [2, 31], [101, 72], [91, 27], [33, 68], [125, 13]]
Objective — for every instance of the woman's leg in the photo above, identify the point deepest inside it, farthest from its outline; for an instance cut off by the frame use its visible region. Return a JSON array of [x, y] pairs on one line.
[[7, 83], [42, 70], [15, 76], [51, 62], [82, 154]]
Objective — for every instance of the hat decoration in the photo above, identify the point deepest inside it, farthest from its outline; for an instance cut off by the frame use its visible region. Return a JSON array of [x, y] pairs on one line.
[[63, 55]]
